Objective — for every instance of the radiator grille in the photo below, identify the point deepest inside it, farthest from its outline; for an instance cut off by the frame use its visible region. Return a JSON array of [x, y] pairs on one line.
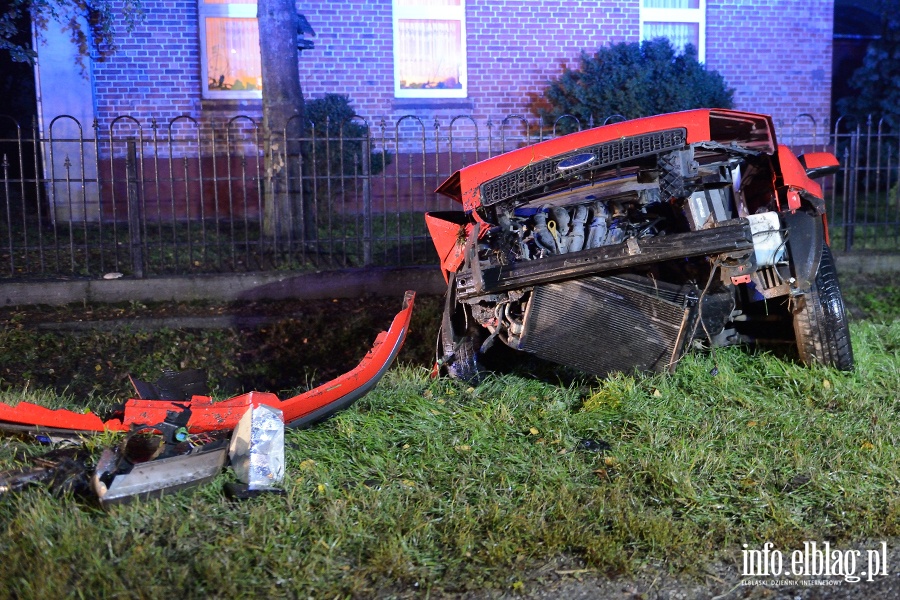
[[543, 172], [605, 324]]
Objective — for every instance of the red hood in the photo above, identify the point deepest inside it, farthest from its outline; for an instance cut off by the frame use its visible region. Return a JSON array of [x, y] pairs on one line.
[[750, 130]]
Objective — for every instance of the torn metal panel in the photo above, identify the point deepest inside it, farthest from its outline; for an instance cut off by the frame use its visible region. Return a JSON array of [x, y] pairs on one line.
[[210, 415], [156, 477]]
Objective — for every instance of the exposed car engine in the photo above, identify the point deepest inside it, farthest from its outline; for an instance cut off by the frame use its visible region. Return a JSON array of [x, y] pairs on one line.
[[624, 253]]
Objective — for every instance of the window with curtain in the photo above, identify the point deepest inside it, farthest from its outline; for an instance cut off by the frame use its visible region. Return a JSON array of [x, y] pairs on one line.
[[229, 49], [429, 49], [681, 21]]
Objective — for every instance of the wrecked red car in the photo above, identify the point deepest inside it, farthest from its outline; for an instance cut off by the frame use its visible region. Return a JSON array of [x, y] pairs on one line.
[[622, 247]]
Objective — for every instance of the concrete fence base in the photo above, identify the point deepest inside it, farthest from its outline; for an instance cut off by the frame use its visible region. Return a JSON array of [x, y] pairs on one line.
[[248, 287], [349, 283]]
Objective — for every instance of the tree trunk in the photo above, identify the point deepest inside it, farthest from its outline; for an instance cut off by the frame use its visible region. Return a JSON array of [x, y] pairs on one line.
[[283, 116]]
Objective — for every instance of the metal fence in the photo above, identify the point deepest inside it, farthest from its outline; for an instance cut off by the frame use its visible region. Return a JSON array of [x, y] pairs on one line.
[[863, 204], [182, 197]]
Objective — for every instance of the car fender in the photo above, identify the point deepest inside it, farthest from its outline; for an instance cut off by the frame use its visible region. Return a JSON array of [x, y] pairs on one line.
[[805, 238]]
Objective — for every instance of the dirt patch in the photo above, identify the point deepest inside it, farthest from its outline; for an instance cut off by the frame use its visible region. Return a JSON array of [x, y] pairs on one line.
[[268, 346], [261, 345]]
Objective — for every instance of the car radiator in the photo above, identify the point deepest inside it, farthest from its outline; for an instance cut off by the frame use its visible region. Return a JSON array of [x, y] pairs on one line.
[[606, 324]]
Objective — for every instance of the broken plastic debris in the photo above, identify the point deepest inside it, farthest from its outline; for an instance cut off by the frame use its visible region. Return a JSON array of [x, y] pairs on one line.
[[257, 448], [116, 480], [242, 491], [208, 415], [172, 385], [62, 469], [590, 445]]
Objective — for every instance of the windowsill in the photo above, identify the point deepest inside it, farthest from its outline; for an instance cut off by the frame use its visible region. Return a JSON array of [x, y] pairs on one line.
[[433, 104], [230, 104]]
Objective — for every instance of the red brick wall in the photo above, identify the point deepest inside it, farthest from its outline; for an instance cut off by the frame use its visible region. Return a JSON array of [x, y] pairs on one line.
[[156, 71], [776, 55], [514, 48]]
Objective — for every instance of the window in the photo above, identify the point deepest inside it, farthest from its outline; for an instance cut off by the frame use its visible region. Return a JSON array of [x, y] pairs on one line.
[[229, 49], [682, 21], [430, 49]]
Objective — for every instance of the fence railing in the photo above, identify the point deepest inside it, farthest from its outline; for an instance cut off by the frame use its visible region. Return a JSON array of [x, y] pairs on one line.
[[185, 197]]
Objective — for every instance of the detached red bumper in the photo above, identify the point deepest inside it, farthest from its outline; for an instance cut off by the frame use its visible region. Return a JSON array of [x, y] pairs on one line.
[[209, 415]]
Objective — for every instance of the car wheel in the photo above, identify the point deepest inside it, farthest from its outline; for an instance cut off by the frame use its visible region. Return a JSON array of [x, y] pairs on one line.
[[460, 340], [820, 321]]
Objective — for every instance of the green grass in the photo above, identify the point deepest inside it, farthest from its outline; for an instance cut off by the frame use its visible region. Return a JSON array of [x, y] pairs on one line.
[[872, 297], [429, 485]]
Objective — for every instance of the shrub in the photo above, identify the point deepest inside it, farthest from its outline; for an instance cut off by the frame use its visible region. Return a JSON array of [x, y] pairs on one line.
[[635, 80], [334, 118]]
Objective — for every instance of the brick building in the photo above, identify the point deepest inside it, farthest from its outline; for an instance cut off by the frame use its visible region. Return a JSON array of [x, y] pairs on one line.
[[197, 62], [776, 55]]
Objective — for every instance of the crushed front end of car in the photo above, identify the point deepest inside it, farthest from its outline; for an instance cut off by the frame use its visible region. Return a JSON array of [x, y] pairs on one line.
[[621, 247]]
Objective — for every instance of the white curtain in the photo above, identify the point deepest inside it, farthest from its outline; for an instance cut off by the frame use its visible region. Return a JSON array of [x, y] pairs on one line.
[[668, 3], [430, 53], [426, 2], [680, 34], [232, 50]]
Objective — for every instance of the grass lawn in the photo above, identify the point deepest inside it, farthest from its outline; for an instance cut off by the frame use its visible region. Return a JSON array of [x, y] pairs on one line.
[[426, 485]]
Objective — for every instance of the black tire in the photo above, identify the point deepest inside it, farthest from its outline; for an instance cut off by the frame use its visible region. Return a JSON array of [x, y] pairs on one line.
[[820, 321], [460, 340]]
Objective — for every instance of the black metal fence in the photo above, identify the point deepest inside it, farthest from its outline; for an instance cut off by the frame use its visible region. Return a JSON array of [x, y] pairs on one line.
[[143, 199]]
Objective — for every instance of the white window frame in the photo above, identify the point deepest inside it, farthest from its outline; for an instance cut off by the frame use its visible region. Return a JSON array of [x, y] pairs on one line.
[[679, 15], [436, 13], [215, 10]]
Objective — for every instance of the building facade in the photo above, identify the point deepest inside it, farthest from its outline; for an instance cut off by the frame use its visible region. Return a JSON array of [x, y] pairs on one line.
[[194, 64], [438, 57]]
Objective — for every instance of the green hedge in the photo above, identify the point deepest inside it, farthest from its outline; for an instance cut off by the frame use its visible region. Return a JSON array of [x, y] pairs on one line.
[[634, 80]]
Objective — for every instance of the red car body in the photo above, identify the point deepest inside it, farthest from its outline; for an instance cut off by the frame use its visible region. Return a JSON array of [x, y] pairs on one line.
[[622, 246]]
